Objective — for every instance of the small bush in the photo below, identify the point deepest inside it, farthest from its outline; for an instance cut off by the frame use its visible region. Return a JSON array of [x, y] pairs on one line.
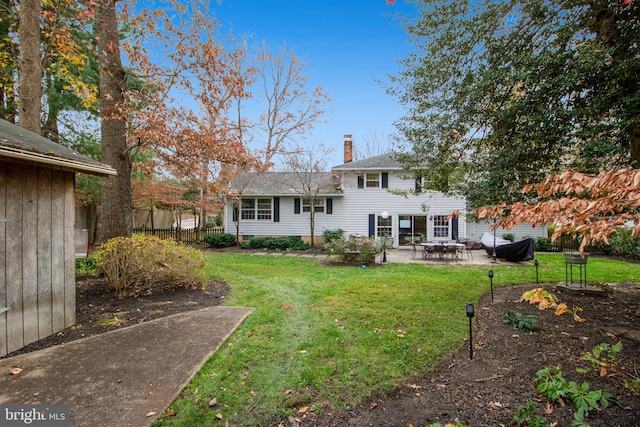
[[86, 267], [330, 235], [509, 236], [290, 243], [139, 263], [520, 321], [220, 240], [354, 249], [542, 244]]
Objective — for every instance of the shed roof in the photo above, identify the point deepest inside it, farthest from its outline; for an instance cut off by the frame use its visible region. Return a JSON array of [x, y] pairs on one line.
[[22, 145], [383, 161]]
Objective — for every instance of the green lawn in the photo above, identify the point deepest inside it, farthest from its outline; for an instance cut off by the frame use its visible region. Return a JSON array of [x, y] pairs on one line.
[[327, 337]]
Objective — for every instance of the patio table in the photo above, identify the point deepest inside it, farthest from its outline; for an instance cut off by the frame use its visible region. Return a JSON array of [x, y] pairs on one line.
[[442, 248]]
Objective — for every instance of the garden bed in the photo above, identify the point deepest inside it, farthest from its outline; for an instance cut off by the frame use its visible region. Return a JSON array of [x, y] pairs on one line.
[[487, 390]]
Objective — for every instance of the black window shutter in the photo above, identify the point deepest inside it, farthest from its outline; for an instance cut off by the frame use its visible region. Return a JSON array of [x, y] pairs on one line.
[[296, 205], [360, 181], [235, 212], [454, 229], [276, 209], [372, 225], [385, 180], [329, 206]]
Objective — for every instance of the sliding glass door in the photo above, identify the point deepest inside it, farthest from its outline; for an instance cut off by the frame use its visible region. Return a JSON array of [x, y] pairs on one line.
[[412, 228]]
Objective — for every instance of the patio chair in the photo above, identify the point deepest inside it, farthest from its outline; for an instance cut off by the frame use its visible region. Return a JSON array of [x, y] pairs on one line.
[[438, 249], [451, 250], [468, 246], [427, 251], [414, 245]]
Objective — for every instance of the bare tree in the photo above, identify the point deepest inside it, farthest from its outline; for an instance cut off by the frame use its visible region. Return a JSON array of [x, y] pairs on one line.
[[291, 110], [307, 166], [374, 143]]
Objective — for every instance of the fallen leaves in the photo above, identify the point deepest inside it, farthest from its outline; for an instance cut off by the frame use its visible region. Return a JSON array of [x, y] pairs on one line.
[[15, 371], [544, 299]]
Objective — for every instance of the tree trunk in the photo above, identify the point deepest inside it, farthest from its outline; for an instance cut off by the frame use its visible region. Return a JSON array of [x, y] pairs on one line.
[[31, 71], [117, 214], [7, 96], [312, 223]]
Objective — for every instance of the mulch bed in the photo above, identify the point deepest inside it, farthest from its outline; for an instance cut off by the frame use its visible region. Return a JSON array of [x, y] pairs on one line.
[[95, 304], [487, 390]]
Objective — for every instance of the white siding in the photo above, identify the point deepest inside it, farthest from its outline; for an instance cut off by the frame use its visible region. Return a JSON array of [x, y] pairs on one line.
[[476, 229], [351, 211]]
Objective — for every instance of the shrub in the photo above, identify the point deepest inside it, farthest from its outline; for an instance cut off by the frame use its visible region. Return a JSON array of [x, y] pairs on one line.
[[86, 267], [621, 243], [509, 236], [140, 263], [542, 244], [220, 240], [354, 249], [290, 243], [330, 235]]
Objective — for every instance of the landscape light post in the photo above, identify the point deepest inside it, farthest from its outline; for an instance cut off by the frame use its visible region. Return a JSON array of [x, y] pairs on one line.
[[494, 241], [384, 216], [535, 262], [491, 283], [470, 314]]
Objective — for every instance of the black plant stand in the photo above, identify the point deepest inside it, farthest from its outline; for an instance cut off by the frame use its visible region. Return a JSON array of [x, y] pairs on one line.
[[571, 259]]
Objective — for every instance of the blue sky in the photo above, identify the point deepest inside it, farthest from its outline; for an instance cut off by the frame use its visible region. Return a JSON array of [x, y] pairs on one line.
[[347, 45]]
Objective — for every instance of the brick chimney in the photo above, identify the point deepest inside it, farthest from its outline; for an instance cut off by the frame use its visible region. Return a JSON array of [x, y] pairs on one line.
[[348, 149]]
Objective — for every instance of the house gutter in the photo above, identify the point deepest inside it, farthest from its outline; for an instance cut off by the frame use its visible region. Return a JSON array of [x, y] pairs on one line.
[[76, 165]]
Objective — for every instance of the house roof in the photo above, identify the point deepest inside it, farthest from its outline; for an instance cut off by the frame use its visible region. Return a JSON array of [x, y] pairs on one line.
[[19, 144], [286, 184], [383, 161]]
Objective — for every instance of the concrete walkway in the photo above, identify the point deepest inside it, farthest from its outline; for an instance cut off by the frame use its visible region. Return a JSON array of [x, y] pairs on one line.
[[121, 378]]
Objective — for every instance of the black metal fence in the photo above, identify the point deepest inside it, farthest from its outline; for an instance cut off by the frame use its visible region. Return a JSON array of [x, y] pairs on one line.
[[184, 235]]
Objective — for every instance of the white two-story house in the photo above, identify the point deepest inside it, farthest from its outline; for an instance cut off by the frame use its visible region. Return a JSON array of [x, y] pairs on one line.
[[371, 197]]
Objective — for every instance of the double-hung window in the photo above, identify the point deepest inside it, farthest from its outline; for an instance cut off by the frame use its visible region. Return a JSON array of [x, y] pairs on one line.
[[440, 226], [372, 180], [318, 205], [264, 209], [248, 210], [260, 209]]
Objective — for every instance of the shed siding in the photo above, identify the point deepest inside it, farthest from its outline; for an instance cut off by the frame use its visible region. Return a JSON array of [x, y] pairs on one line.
[[44, 253], [351, 211], [3, 254], [36, 252]]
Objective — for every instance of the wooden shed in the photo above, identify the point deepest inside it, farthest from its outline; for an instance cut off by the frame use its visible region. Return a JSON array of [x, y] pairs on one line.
[[37, 253]]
